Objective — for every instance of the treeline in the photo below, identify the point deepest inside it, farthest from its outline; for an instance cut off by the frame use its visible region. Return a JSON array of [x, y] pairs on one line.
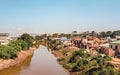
[[103, 34], [48, 42], [11, 50], [111, 34]]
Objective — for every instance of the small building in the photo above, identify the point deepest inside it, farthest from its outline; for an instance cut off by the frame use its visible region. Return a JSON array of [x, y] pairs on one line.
[[64, 39], [77, 42], [4, 38], [118, 37], [105, 49], [14, 38], [115, 45]]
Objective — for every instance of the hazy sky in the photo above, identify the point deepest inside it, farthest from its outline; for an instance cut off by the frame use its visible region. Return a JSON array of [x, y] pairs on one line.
[[48, 16]]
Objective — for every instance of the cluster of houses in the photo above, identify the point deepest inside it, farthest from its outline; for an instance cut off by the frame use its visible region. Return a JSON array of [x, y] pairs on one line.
[[95, 45], [92, 44], [99, 45]]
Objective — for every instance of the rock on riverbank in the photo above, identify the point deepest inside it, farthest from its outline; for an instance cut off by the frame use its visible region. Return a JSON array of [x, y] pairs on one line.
[[12, 62]]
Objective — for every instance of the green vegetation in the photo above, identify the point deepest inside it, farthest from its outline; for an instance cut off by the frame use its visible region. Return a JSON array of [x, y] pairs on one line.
[[54, 44], [11, 50], [28, 39], [111, 34], [37, 41], [7, 52], [18, 45], [83, 63]]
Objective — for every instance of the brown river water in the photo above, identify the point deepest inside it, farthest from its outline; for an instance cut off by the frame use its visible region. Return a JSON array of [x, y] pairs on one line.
[[41, 63]]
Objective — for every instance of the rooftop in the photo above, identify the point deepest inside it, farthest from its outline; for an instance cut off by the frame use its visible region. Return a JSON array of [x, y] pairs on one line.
[[116, 42], [63, 38]]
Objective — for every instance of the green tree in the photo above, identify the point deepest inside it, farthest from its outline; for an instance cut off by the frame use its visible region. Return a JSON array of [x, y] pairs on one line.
[[7, 52], [108, 33], [103, 34], [19, 44], [74, 32], [55, 35], [115, 33], [28, 39], [38, 38]]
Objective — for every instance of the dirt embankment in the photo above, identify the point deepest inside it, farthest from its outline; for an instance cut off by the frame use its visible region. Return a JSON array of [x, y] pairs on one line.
[[64, 52], [12, 62]]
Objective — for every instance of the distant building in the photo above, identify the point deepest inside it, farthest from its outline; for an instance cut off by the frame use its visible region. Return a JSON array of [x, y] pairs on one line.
[[4, 38], [55, 39], [118, 37], [115, 45], [77, 42], [105, 49], [14, 38], [64, 39]]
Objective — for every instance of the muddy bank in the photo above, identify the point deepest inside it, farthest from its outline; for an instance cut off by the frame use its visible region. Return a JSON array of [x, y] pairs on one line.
[[12, 62], [63, 55], [64, 52]]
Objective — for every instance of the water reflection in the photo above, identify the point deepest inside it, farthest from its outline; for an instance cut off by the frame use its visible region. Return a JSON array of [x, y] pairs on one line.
[[41, 63]]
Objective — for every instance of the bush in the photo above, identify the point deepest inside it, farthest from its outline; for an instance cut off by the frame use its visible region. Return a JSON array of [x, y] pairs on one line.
[[7, 52], [10, 51], [28, 39], [19, 43], [81, 54], [4, 54], [17, 48], [75, 68], [108, 58], [13, 54]]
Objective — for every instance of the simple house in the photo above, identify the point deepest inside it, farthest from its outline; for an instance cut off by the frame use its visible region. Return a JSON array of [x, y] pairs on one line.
[[105, 48], [77, 42], [4, 38], [118, 37], [115, 45], [66, 41]]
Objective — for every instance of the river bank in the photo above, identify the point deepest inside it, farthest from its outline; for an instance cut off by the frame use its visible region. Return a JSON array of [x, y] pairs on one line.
[[68, 58], [63, 55], [42, 62], [22, 55]]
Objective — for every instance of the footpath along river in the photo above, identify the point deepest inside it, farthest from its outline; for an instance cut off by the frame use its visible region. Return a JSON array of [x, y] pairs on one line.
[[41, 63]]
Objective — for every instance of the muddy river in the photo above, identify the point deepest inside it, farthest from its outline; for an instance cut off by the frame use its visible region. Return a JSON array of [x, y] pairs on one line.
[[41, 63]]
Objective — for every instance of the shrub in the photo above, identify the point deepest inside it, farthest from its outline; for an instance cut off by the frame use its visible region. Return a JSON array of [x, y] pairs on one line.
[[17, 48], [7, 52], [19, 43], [10, 51], [75, 68], [4, 54], [28, 39]]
